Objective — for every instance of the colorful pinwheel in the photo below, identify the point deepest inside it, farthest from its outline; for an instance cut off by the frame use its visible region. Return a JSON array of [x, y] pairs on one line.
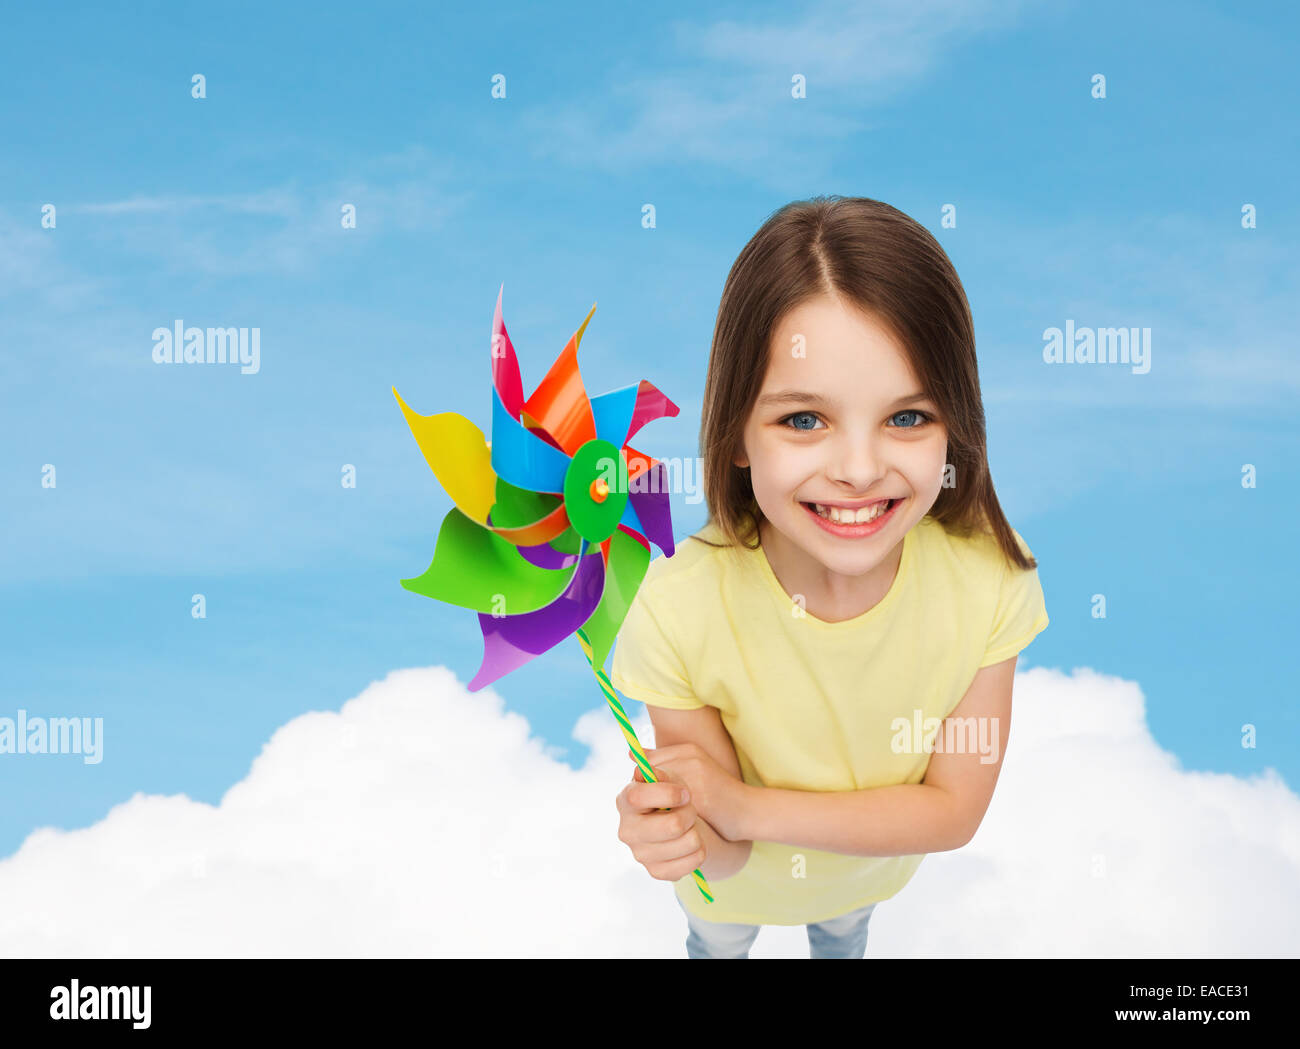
[[557, 486]]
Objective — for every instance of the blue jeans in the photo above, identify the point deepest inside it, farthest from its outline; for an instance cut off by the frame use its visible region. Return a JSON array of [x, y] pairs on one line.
[[841, 937]]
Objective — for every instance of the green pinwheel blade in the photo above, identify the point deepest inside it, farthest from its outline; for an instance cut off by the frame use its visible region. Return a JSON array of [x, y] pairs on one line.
[[473, 567], [520, 506], [515, 507], [628, 561]]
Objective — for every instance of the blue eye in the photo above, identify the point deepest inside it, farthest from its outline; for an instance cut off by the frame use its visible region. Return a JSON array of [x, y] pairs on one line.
[[918, 419], [800, 415], [921, 418]]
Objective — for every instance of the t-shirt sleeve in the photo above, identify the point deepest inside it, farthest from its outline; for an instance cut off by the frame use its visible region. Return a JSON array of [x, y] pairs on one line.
[[1021, 612], [647, 664]]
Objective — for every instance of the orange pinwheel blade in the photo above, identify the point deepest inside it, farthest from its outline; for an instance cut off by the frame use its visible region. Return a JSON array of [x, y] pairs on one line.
[[560, 405]]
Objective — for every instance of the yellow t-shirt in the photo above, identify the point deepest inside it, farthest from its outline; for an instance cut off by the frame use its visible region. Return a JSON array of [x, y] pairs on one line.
[[809, 704]]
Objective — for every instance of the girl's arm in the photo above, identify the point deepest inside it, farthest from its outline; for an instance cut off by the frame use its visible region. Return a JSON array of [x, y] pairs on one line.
[[722, 858], [940, 813]]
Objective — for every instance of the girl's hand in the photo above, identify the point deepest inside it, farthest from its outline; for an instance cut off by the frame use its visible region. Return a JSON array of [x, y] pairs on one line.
[[715, 793], [667, 844]]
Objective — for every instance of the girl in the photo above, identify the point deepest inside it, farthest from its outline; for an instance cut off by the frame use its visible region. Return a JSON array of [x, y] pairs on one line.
[[855, 590]]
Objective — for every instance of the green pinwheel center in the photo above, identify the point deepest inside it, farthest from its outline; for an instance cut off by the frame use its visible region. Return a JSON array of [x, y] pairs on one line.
[[595, 490]]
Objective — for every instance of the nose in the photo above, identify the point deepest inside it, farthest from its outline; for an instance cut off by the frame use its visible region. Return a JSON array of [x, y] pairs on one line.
[[856, 462]]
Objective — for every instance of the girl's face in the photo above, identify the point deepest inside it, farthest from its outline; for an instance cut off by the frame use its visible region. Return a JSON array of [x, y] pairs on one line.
[[841, 420]]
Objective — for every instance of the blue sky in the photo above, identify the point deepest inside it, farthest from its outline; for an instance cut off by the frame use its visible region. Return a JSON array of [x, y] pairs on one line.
[[173, 481]]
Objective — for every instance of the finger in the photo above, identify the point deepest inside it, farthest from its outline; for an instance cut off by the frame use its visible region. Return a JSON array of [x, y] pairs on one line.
[[651, 797], [631, 801], [672, 847], [678, 869], [669, 753], [662, 823]]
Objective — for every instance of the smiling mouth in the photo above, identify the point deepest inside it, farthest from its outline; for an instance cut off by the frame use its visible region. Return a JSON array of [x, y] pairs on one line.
[[841, 515]]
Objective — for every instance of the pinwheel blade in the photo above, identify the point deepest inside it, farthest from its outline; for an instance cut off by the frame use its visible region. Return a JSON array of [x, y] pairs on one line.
[[545, 555], [629, 558], [505, 365], [648, 509], [473, 567], [523, 458], [511, 641], [457, 453], [613, 413], [651, 404], [560, 404], [529, 519]]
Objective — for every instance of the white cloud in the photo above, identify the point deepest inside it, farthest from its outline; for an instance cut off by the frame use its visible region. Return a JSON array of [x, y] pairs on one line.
[[286, 228], [268, 202], [879, 43], [421, 820], [1196, 864], [1217, 298], [33, 273], [723, 97]]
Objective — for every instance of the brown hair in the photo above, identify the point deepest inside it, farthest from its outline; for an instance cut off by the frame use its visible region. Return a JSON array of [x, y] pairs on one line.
[[889, 266]]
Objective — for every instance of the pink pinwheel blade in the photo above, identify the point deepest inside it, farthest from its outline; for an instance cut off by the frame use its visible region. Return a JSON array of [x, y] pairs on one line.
[[511, 641], [505, 365], [651, 404]]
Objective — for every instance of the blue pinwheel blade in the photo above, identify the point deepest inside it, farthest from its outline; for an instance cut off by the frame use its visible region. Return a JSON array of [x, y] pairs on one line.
[[613, 414], [523, 458]]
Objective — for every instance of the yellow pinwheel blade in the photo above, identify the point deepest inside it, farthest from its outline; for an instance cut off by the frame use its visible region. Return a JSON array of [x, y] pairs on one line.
[[459, 456]]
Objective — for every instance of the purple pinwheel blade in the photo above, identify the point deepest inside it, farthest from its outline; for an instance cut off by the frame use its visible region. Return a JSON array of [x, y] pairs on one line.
[[544, 555], [648, 510], [511, 641]]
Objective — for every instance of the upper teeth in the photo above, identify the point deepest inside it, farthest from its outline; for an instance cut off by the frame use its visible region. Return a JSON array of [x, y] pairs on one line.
[[843, 516]]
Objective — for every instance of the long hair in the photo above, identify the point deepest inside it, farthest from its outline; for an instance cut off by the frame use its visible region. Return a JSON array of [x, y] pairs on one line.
[[889, 265]]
